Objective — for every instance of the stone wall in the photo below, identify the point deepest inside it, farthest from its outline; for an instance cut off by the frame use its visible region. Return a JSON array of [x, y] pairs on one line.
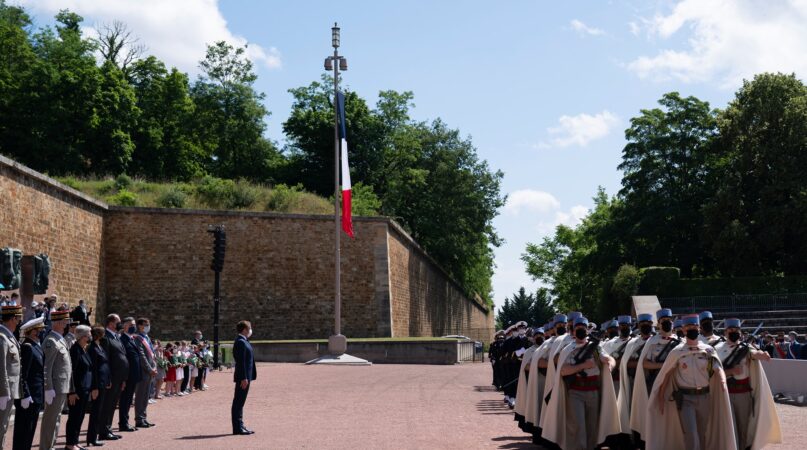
[[425, 300], [278, 271], [39, 215]]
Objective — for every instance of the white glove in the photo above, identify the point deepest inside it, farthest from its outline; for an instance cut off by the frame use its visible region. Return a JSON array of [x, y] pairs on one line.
[[49, 396], [521, 351], [26, 402], [4, 402]]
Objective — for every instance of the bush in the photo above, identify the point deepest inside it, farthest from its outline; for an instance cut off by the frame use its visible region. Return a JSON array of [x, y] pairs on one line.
[[364, 202], [214, 192], [70, 182], [106, 187], [123, 198], [122, 182], [172, 198], [295, 200], [625, 285], [660, 281], [242, 196]]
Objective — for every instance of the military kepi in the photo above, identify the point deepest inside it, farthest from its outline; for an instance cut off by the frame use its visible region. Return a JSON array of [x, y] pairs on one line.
[[706, 315], [645, 318], [732, 323], [12, 310], [59, 315]]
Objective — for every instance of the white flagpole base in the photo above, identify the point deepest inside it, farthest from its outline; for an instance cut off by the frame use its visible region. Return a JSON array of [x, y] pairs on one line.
[[341, 360]]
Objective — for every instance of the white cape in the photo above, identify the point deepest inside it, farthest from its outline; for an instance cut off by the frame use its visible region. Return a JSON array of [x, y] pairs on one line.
[[764, 427], [535, 386], [554, 429], [521, 389], [625, 386], [638, 405], [557, 346], [664, 429]]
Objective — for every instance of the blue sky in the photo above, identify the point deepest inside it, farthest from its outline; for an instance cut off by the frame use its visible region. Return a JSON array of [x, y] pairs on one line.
[[545, 89]]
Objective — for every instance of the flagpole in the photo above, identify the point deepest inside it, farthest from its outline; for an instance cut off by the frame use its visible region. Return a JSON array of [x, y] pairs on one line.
[[337, 344]]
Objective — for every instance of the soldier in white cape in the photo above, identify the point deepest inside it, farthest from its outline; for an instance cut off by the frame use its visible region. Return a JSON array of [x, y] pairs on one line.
[[592, 416], [523, 375], [562, 325], [704, 421], [664, 341], [756, 422], [615, 347], [626, 381], [535, 386]]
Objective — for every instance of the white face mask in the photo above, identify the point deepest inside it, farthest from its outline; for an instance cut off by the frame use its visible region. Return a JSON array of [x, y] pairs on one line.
[[249, 333], [146, 329], [522, 333]]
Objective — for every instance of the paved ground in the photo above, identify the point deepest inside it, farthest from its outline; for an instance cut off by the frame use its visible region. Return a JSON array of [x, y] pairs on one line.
[[377, 407]]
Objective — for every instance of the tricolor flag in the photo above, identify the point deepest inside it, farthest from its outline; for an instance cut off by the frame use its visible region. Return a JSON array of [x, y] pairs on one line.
[[347, 221]]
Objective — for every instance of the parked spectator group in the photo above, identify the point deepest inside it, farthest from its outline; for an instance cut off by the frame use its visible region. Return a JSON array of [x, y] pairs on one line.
[[57, 364]]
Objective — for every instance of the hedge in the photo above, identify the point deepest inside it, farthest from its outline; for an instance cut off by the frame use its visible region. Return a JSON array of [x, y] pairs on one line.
[[666, 282]]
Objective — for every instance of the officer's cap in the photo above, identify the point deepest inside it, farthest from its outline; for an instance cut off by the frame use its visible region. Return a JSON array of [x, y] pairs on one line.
[[645, 318], [39, 322], [663, 312], [521, 324], [691, 319], [574, 315], [732, 323], [561, 318], [611, 324], [706, 315], [581, 321]]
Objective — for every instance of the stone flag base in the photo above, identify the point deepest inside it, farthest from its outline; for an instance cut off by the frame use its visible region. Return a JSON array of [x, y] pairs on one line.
[[341, 360]]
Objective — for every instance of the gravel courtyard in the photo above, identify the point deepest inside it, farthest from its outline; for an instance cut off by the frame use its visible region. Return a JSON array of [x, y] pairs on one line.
[[376, 407]]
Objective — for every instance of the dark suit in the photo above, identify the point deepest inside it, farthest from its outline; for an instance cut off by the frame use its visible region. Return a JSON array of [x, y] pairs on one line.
[[102, 377], [133, 355], [244, 370], [32, 381], [82, 385], [119, 370], [80, 315]]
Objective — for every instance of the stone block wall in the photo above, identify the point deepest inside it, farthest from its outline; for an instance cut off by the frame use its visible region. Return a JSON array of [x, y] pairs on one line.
[[425, 300], [39, 215]]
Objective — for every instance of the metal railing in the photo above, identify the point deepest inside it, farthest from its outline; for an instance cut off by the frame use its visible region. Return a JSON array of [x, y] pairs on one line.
[[736, 303], [470, 351]]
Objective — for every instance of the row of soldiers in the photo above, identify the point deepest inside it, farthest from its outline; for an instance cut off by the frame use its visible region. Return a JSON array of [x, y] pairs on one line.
[[655, 382]]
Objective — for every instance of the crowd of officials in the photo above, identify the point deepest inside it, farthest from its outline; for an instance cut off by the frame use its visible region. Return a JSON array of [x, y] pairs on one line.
[[55, 363], [651, 381]]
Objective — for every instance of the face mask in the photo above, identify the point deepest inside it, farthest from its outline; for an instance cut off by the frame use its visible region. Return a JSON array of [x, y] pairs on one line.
[[561, 331], [146, 329], [119, 326], [707, 327], [646, 329], [522, 333], [624, 332], [250, 333], [580, 333], [692, 334], [539, 340], [612, 334], [734, 336], [131, 330], [680, 333], [666, 326]]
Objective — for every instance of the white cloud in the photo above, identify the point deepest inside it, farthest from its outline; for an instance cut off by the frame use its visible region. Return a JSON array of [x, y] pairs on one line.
[[728, 40], [570, 218], [634, 28], [530, 200], [175, 31], [581, 129], [583, 29]]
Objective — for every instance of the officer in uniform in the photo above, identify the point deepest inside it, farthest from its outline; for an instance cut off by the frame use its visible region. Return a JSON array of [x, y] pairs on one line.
[[494, 355], [58, 378], [692, 376], [616, 347], [707, 329], [678, 326], [627, 368], [515, 351], [32, 383], [755, 419], [611, 330], [10, 365]]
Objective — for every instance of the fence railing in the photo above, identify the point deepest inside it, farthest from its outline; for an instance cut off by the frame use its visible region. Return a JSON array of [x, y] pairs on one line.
[[470, 351], [736, 303]]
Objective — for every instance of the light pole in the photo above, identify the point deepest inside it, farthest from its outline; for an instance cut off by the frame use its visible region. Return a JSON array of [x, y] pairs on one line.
[[337, 344]]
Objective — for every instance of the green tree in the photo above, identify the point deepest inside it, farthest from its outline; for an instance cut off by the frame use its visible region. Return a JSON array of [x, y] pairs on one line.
[[230, 116], [666, 164], [535, 309], [624, 286], [16, 60], [758, 218]]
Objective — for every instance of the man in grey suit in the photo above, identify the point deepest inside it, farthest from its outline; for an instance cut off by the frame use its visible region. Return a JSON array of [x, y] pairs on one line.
[[10, 365], [58, 378], [148, 365]]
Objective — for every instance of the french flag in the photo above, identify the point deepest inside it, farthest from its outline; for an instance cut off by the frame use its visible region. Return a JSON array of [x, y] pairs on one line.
[[347, 220]]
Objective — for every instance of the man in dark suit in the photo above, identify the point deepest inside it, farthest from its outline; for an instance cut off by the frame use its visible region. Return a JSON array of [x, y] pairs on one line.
[[133, 355], [80, 313], [245, 373], [102, 380], [119, 369], [32, 383]]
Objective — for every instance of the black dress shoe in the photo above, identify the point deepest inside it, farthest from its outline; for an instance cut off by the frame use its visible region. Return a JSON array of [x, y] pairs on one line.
[[126, 428], [143, 425], [243, 431], [95, 444], [148, 423], [111, 437]]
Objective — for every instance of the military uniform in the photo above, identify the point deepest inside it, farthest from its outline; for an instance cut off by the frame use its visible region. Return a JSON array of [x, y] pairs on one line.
[[9, 369], [32, 382], [58, 379]]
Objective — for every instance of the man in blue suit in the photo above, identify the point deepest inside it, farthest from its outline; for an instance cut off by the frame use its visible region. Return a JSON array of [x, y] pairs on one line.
[[32, 381], [245, 373]]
